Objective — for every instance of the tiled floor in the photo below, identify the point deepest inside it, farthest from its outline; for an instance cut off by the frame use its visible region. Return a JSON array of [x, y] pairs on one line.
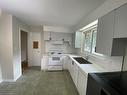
[[36, 82]]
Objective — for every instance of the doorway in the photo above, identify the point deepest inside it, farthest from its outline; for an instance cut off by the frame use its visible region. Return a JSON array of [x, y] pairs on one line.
[[24, 50]]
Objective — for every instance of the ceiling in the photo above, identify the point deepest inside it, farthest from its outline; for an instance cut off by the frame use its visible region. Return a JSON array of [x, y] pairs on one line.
[[66, 13]]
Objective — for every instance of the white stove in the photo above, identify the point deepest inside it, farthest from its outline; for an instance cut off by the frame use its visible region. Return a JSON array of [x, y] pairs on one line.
[[55, 60]]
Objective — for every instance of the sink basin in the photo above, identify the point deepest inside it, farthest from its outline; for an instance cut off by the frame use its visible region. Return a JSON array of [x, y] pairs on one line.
[[81, 60]]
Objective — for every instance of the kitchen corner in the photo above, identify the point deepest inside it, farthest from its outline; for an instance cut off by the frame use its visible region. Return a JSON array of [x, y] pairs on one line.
[[79, 72]]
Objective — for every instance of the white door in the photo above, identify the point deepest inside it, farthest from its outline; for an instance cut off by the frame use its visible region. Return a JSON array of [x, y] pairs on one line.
[[34, 48]]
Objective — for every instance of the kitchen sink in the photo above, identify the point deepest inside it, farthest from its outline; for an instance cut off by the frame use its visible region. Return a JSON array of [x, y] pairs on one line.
[[81, 60]]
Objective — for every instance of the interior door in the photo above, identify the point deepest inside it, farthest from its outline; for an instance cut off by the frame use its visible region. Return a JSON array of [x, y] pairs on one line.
[[35, 48]]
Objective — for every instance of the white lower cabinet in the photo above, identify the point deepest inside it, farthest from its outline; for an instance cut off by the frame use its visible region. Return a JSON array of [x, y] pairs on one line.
[[44, 62], [69, 65], [66, 62], [81, 83], [79, 78], [74, 72], [63, 61], [71, 69]]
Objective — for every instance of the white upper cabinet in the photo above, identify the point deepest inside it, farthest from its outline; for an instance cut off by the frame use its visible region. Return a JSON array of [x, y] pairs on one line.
[[105, 34], [68, 37], [78, 39], [57, 36], [105, 43], [121, 22], [47, 35]]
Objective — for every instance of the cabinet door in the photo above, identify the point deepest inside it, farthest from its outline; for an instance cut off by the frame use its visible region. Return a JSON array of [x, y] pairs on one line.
[[121, 22], [68, 37], [82, 83], [78, 39], [44, 62], [105, 34], [65, 62], [56, 36], [46, 35], [69, 65], [72, 69], [75, 74]]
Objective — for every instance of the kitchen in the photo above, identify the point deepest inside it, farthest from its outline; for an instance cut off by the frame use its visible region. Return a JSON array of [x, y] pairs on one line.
[[92, 54]]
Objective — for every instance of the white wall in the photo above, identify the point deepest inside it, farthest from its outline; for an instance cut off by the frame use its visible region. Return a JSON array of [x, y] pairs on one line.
[[16, 25], [0, 12], [42, 43], [6, 54], [10, 51], [108, 6], [0, 74], [34, 29]]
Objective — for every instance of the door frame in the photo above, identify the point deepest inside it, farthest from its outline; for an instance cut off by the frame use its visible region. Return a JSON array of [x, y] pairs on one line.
[[25, 30]]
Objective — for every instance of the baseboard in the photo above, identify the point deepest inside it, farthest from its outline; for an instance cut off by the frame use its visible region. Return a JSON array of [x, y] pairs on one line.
[[11, 80], [17, 77], [8, 80]]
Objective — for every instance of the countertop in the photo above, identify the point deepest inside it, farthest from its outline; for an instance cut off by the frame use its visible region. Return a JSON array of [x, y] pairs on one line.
[[88, 68], [112, 81], [85, 68]]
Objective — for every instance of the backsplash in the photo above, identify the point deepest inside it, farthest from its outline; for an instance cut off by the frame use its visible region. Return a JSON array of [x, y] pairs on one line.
[[106, 62], [65, 47]]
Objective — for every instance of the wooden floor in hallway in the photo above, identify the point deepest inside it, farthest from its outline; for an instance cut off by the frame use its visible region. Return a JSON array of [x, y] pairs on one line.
[[36, 82]]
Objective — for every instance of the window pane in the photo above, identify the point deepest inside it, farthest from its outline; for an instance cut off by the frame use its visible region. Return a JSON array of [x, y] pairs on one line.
[[94, 35], [88, 41]]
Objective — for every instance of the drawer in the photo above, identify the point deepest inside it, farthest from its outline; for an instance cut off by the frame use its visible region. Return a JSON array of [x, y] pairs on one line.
[[55, 68]]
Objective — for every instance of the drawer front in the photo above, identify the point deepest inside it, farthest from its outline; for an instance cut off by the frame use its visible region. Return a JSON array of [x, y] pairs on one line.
[[55, 68]]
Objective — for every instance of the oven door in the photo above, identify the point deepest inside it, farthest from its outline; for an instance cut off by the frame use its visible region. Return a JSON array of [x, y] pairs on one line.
[[55, 60]]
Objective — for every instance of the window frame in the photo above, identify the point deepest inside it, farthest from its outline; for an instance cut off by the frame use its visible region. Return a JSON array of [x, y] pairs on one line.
[[91, 29], [85, 33], [94, 29]]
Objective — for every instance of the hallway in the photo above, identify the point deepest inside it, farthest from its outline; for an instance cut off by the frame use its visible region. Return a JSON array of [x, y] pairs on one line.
[[35, 82]]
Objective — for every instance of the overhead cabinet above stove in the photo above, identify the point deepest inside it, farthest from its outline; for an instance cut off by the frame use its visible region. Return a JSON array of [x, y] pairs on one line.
[[112, 33], [57, 36]]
